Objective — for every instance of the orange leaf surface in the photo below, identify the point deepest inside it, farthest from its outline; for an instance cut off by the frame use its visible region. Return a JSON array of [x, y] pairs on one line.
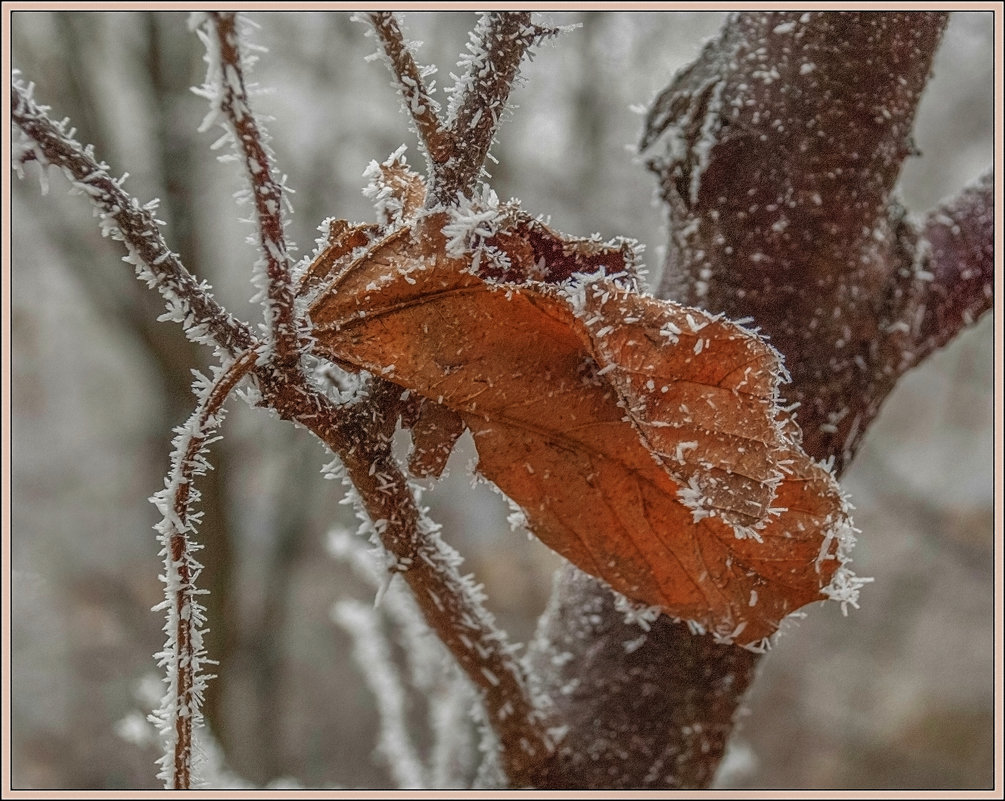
[[642, 439]]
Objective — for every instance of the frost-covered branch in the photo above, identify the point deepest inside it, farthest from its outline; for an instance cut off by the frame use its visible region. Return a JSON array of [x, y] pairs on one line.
[[225, 87], [183, 654], [958, 238], [432, 673], [121, 217], [497, 46], [478, 99], [370, 649], [411, 82], [451, 604]]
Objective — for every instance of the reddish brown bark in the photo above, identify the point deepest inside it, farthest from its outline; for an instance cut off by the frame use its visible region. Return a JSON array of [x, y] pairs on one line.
[[643, 710], [776, 153]]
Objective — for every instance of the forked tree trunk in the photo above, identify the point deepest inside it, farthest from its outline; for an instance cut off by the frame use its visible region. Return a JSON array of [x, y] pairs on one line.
[[776, 152]]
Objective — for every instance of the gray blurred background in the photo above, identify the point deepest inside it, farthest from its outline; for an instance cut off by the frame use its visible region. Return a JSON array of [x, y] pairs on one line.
[[898, 694]]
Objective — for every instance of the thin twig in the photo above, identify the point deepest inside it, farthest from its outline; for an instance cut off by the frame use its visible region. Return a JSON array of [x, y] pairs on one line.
[[267, 193], [121, 217], [420, 105], [452, 606], [448, 694], [183, 654], [499, 43], [371, 648]]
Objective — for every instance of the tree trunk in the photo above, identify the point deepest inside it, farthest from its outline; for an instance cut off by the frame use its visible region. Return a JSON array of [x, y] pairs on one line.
[[776, 152]]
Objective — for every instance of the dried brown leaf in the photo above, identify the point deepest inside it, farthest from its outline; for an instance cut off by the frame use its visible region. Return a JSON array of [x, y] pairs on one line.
[[642, 439], [434, 431]]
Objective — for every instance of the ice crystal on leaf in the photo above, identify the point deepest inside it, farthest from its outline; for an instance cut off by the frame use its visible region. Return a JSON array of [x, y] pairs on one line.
[[471, 223], [673, 474]]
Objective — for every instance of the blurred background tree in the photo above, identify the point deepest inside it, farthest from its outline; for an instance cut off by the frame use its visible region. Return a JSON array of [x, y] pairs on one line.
[[898, 695]]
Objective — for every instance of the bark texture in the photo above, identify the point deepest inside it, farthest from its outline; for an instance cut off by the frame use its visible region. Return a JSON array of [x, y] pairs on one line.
[[776, 153], [644, 709]]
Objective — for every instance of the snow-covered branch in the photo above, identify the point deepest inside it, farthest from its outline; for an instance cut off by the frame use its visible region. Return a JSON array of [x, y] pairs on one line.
[[121, 217], [183, 654], [226, 89]]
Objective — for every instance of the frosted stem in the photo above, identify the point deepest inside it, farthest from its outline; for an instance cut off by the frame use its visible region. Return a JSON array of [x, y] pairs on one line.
[[189, 301], [417, 100], [183, 653], [498, 45], [371, 652], [266, 191]]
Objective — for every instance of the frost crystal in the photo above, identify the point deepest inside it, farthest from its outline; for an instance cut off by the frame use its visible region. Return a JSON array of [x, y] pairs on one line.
[[471, 222], [694, 499], [636, 614], [844, 585], [386, 200]]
